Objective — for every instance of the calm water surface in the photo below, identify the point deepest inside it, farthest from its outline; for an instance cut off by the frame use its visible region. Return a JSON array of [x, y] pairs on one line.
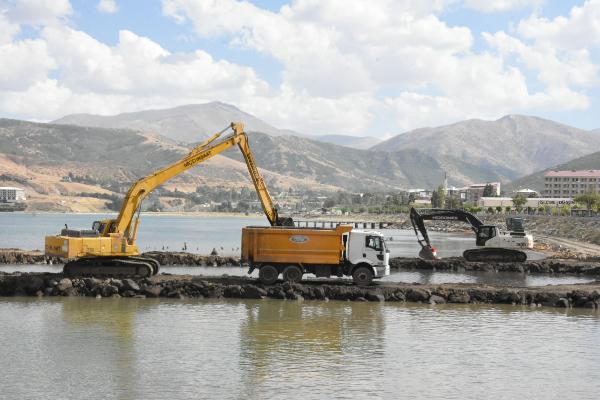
[[156, 349]]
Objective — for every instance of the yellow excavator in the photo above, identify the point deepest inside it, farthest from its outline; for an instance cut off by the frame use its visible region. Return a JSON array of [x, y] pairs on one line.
[[109, 248]]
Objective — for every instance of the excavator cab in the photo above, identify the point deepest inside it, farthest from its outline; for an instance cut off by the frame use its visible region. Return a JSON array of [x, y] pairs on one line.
[[485, 233]]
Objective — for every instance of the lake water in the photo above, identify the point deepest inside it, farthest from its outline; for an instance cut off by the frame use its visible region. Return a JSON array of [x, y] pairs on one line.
[[82, 348]]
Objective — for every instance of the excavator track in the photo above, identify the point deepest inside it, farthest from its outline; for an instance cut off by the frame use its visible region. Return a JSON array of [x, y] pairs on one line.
[[494, 254], [112, 266]]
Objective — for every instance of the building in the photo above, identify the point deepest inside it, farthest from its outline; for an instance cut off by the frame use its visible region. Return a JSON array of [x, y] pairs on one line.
[[11, 195], [533, 202], [527, 193], [475, 191], [565, 184]]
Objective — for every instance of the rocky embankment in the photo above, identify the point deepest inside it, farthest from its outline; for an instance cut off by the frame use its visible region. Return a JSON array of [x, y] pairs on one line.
[[180, 287], [457, 264]]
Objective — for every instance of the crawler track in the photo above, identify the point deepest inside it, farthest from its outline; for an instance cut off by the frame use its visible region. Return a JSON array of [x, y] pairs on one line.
[[112, 266]]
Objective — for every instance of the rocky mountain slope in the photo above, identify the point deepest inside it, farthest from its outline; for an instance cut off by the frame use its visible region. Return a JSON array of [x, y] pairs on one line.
[[510, 147], [355, 142], [187, 123]]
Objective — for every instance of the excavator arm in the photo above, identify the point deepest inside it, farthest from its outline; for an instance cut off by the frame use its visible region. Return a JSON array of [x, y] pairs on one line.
[[208, 149], [417, 219]]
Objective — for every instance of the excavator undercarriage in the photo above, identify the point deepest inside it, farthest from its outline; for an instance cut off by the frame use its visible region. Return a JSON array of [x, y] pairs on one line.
[[112, 266]]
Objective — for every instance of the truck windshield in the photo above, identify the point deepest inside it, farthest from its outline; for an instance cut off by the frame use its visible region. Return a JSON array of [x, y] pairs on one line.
[[374, 242]]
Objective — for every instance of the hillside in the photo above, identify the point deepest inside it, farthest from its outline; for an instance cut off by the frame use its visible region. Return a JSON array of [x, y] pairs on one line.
[[355, 142], [189, 123], [352, 169], [536, 180], [36, 156], [509, 147]]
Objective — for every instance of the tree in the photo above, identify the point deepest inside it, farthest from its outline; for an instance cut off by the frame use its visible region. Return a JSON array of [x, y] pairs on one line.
[[488, 191], [435, 198], [519, 201], [441, 196], [589, 199]]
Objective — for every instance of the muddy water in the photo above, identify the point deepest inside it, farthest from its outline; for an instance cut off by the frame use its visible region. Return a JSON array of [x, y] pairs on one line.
[[130, 348]]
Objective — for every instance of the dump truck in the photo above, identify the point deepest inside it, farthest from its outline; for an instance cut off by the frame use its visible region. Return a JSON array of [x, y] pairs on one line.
[[324, 252]]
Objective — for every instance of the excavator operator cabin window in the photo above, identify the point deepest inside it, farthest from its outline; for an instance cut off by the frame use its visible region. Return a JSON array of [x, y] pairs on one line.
[[374, 242]]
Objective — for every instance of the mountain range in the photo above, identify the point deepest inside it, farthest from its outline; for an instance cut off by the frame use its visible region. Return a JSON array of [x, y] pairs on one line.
[[128, 146]]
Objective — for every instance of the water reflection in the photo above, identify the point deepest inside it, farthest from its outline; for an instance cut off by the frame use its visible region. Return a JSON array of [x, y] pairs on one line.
[[300, 343]]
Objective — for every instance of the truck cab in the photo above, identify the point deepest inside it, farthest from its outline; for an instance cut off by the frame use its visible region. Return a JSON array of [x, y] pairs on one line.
[[367, 250]]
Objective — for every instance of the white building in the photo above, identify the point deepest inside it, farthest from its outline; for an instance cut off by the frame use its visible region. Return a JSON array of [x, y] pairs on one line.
[[571, 183], [533, 202], [11, 194]]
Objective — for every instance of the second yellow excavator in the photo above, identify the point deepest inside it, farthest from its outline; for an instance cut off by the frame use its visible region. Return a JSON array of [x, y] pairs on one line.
[[109, 248]]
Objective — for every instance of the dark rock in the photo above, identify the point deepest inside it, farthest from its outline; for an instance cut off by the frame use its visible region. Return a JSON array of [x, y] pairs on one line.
[[253, 292], [71, 291], [117, 283], [233, 291], [360, 298], [375, 297], [506, 296], [33, 284], [417, 295], [139, 296], [91, 283], [108, 290], [459, 296]]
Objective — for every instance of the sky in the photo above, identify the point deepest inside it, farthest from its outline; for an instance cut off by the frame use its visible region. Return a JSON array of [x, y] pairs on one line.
[[355, 67]]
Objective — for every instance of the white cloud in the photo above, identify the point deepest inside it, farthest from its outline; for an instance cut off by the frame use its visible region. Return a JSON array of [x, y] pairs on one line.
[[580, 29], [107, 6], [38, 12], [8, 30], [490, 6], [344, 64]]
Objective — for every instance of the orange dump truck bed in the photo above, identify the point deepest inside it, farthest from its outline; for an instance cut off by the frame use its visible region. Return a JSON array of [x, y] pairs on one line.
[[293, 245]]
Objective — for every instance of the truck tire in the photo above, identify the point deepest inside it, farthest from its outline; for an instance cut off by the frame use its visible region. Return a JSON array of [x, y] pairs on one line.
[[268, 274], [292, 273], [362, 276]]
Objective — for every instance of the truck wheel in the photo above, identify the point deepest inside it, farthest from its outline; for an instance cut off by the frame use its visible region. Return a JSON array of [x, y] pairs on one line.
[[268, 274], [362, 276], [292, 273]]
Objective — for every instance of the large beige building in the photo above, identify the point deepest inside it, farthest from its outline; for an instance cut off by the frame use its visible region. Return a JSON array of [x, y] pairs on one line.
[[566, 184]]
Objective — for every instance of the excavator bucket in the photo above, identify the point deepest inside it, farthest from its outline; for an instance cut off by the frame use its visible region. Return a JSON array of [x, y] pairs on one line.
[[428, 253]]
